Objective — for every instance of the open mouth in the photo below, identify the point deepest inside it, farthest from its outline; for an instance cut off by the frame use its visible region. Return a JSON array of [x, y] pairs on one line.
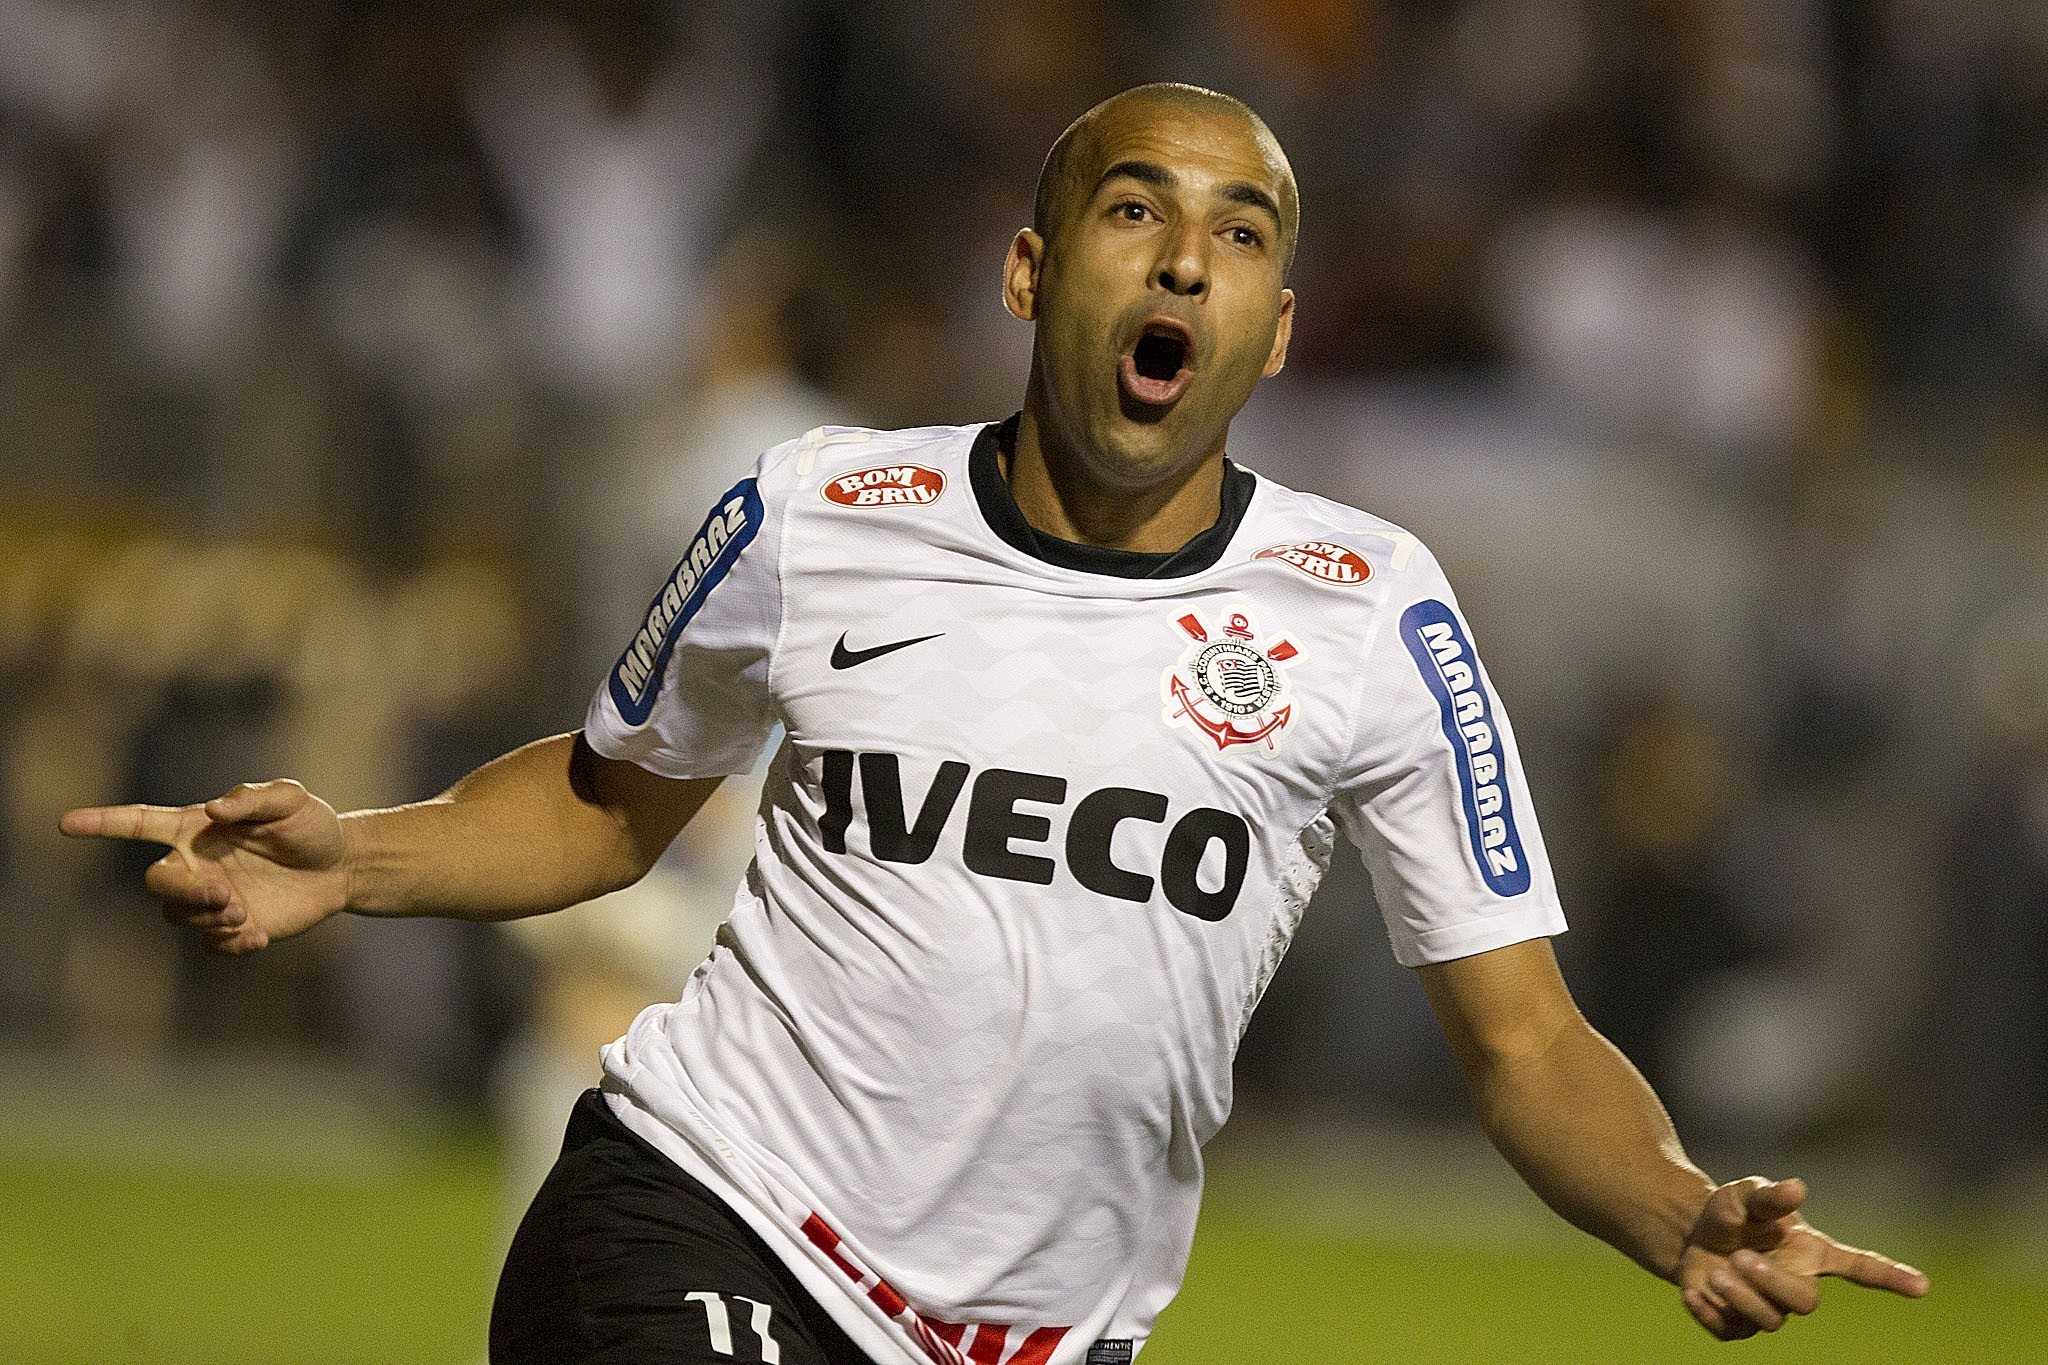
[[1155, 370]]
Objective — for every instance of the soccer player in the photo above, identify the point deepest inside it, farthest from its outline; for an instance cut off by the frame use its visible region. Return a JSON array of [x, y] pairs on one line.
[[1073, 707]]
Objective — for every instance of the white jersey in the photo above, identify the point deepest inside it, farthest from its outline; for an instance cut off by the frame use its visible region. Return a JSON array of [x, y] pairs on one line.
[[1043, 822]]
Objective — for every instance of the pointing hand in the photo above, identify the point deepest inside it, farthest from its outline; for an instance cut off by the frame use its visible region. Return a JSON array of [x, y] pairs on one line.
[[1751, 1259], [265, 861]]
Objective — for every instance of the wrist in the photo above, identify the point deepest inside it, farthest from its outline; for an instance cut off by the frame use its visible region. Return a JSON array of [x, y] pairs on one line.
[[382, 869], [348, 865], [357, 867], [1688, 1201]]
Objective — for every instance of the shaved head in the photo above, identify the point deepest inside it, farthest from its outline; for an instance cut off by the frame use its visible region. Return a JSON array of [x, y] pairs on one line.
[[1155, 275], [1073, 167]]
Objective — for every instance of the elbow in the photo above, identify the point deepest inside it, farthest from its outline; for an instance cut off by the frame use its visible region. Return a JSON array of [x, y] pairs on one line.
[[1538, 1060], [1500, 1059]]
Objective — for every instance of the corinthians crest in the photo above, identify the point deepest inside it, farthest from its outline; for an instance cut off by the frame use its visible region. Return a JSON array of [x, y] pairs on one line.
[[1227, 685]]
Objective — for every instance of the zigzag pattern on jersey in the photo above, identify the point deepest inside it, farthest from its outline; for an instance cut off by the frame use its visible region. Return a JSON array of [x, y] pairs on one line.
[[946, 1343]]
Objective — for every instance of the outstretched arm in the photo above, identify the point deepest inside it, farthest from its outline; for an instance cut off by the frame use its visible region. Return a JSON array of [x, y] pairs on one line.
[[1583, 1128], [545, 826]]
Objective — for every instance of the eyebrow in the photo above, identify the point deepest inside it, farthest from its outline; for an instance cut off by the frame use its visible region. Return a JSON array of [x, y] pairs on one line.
[[1144, 172], [1157, 176], [1238, 192]]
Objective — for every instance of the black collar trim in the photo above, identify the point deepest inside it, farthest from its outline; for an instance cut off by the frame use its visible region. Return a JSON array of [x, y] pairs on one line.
[[1000, 510]]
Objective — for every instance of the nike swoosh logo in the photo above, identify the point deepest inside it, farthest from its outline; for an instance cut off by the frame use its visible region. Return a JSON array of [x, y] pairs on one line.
[[842, 657]]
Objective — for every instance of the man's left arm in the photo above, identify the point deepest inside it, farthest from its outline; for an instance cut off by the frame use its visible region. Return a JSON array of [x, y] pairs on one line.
[[1582, 1127]]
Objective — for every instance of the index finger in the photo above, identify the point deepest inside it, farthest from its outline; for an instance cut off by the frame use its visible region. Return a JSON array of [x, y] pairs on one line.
[[1873, 1271], [157, 824]]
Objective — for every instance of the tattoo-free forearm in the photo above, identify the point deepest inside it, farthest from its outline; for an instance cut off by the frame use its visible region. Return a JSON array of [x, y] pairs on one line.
[[519, 836], [1583, 1128]]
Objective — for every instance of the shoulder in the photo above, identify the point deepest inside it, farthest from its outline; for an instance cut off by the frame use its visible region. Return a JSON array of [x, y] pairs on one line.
[[891, 459], [1322, 535]]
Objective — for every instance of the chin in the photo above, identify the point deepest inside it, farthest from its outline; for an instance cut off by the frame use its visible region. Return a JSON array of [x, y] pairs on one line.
[[1138, 454]]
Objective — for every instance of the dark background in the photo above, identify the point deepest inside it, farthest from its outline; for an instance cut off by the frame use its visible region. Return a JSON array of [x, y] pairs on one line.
[[363, 366]]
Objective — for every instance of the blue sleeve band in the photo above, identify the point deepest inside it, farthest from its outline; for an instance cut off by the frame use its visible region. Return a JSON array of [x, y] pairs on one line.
[[1450, 668], [636, 678]]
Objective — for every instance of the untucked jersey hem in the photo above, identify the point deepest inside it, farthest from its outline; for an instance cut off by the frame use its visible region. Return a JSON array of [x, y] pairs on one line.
[[829, 1295]]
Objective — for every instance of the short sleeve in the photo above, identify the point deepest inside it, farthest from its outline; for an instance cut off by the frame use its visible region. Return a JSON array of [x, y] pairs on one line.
[[689, 696], [1434, 797]]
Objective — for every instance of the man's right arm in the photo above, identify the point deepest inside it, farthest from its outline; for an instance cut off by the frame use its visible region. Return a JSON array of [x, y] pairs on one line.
[[545, 826]]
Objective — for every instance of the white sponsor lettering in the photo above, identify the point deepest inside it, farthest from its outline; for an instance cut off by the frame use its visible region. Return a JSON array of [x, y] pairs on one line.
[[889, 485], [883, 497], [1322, 561], [900, 475], [636, 669], [1468, 705]]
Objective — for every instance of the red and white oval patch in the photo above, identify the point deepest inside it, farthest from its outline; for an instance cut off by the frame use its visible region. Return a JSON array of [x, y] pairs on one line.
[[1322, 560], [886, 485]]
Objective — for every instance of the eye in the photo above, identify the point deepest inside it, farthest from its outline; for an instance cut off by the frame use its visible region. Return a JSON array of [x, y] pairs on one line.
[[1245, 236], [1129, 211]]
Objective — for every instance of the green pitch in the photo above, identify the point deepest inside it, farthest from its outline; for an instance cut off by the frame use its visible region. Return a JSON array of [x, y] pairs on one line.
[[185, 1263], [1259, 1289], [206, 1256]]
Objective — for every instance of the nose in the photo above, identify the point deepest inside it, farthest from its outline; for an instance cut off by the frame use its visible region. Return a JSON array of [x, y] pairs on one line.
[[1183, 266]]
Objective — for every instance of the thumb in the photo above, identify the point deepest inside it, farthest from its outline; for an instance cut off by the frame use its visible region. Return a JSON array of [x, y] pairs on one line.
[[1769, 1202], [256, 801], [1727, 1211]]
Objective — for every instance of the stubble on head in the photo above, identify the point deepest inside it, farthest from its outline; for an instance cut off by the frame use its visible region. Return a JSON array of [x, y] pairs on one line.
[[1075, 158]]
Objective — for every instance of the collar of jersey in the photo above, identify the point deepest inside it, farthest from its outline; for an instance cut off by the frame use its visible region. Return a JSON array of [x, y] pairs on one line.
[[1006, 519]]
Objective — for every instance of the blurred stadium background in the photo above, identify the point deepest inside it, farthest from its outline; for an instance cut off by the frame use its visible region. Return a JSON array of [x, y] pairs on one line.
[[362, 366]]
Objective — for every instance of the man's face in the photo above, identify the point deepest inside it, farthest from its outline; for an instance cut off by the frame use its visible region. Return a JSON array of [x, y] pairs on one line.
[[1158, 295]]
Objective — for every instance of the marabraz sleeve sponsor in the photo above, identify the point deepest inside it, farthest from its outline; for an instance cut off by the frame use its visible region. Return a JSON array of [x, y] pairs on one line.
[[1450, 668], [636, 678]]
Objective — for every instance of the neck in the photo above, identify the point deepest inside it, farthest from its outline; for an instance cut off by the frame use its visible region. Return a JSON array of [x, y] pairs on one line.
[[1061, 496]]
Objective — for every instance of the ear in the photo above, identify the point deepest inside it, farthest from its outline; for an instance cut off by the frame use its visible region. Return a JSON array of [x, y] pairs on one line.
[[1020, 275], [1277, 357]]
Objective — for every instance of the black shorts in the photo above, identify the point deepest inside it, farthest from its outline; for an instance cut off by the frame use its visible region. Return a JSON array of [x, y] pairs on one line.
[[623, 1257]]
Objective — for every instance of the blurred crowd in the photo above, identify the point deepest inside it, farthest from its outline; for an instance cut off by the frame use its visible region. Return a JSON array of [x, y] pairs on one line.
[[364, 364]]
